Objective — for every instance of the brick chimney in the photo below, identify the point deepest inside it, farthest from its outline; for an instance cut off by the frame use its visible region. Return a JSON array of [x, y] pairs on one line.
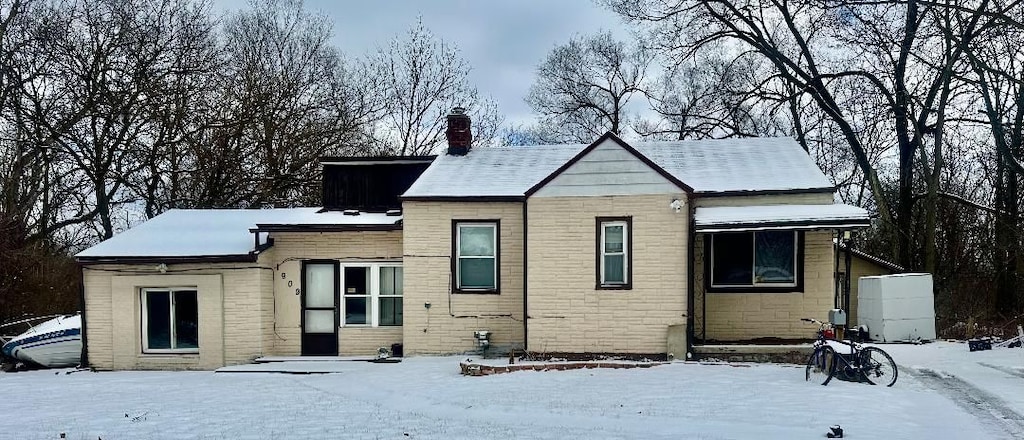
[[459, 133]]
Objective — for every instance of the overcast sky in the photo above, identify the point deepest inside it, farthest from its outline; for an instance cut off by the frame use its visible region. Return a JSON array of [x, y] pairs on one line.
[[503, 40]]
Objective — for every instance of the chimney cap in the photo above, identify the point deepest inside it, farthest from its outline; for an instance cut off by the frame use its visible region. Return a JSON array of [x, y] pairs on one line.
[[458, 110]]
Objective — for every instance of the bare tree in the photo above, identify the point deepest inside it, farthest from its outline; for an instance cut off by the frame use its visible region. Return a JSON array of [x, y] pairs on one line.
[[890, 59], [421, 79], [996, 61], [583, 87], [284, 98], [716, 95]]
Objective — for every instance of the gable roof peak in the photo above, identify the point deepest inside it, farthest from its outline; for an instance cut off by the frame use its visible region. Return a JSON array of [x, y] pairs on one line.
[[609, 136]]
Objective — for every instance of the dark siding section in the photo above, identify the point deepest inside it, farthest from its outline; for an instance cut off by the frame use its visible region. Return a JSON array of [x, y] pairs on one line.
[[369, 186]]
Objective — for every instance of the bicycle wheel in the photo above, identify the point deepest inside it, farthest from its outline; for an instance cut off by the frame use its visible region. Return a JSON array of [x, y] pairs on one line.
[[878, 367], [821, 366]]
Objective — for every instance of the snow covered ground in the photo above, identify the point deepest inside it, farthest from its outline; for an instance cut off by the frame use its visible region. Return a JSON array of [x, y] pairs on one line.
[[943, 392]]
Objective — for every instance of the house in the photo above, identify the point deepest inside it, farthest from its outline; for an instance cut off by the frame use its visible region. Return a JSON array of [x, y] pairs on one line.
[[641, 248]]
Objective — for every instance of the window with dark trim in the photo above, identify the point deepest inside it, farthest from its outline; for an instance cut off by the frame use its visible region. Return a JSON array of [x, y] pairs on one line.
[[614, 252], [170, 320], [766, 260], [475, 256]]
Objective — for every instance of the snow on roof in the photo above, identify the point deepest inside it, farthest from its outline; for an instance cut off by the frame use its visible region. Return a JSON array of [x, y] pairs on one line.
[[737, 165], [491, 171], [217, 232], [738, 218], [866, 256], [708, 166]]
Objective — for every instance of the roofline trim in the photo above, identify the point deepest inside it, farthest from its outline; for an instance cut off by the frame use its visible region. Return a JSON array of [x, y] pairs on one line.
[[877, 260], [397, 226], [180, 259], [766, 192], [463, 198], [374, 160], [609, 136], [788, 224]]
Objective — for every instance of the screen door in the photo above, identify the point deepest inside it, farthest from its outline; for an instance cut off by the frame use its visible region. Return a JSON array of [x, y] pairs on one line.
[[320, 309]]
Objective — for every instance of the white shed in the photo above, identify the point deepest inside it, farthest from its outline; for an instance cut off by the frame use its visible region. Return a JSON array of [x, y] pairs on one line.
[[897, 307]]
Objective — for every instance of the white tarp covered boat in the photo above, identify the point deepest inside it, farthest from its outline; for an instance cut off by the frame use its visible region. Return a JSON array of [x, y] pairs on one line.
[[53, 343]]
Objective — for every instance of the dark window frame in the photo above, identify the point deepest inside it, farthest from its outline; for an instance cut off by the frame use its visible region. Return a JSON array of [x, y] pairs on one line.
[[798, 264], [598, 250], [455, 257]]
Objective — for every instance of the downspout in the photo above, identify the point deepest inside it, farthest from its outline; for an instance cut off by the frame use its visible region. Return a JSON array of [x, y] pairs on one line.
[[847, 279], [84, 361], [835, 269], [526, 327], [690, 295]]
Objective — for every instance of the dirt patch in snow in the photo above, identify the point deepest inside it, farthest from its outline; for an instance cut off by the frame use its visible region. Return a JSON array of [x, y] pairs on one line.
[[476, 369]]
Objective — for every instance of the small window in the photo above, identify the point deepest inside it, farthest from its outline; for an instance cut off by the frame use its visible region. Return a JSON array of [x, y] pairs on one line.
[[613, 252], [170, 320], [390, 298], [761, 258], [476, 256]]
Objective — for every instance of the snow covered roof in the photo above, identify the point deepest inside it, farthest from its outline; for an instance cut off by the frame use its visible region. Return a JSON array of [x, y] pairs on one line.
[[866, 256], [748, 218], [491, 171], [720, 166], [738, 165], [181, 233]]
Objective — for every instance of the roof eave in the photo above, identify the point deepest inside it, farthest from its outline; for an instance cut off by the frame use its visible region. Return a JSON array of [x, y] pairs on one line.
[[438, 198], [176, 259], [877, 260], [357, 160], [851, 223], [397, 226], [766, 192]]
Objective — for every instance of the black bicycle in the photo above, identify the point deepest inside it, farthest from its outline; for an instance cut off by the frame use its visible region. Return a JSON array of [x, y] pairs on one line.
[[848, 361]]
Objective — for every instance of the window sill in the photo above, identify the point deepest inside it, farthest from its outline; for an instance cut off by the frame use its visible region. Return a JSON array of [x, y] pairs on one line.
[[613, 287], [170, 354], [368, 326], [756, 289], [476, 291]]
